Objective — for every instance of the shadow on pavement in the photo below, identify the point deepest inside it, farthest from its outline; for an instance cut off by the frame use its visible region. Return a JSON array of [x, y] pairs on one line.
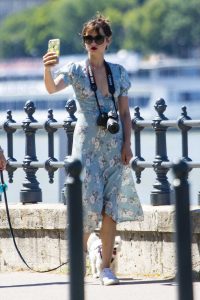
[[131, 281], [32, 284]]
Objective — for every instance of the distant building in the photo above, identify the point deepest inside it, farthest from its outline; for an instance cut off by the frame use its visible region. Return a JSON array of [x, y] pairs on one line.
[[8, 7]]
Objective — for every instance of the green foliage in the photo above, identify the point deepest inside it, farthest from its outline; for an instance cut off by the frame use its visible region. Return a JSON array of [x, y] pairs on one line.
[[12, 36], [169, 26], [182, 27]]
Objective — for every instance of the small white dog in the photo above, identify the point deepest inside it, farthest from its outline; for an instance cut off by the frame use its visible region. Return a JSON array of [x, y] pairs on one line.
[[94, 246]]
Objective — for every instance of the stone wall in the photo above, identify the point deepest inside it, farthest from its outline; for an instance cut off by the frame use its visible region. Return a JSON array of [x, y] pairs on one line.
[[148, 248], [40, 232]]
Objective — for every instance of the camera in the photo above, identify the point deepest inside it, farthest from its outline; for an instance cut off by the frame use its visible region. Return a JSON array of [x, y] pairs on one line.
[[109, 120]]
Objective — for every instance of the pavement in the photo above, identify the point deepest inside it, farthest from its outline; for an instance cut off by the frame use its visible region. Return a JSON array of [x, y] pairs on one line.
[[51, 286]]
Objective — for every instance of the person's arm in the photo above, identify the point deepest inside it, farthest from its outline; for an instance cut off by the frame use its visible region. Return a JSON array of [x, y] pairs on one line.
[[125, 117], [52, 85], [2, 160]]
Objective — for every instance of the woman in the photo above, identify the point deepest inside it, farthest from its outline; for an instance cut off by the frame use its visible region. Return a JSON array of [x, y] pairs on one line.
[[2, 160], [100, 88]]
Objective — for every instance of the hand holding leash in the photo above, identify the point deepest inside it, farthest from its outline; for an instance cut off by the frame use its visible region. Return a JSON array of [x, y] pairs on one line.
[[2, 160]]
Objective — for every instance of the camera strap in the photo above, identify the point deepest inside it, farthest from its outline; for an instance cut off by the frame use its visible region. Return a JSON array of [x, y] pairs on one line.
[[111, 86]]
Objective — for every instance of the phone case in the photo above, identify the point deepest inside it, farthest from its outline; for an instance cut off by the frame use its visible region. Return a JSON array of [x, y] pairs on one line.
[[54, 46]]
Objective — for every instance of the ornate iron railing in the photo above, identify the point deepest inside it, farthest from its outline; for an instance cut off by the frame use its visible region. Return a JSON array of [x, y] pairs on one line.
[[30, 192], [161, 193]]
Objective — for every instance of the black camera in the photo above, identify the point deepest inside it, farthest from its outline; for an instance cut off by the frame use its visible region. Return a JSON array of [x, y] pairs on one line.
[[109, 120]]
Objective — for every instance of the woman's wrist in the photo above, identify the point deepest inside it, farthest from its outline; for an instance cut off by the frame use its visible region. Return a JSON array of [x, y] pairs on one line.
[[47, 69], [127, 143], [1, 150]]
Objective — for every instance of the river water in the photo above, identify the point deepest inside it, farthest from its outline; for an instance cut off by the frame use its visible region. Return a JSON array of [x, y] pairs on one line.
[[51, 192]]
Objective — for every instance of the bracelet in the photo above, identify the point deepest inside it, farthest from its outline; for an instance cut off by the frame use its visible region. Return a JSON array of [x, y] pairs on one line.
[[1, 150]]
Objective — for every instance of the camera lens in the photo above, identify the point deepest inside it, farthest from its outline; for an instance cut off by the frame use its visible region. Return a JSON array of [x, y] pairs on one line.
[[112, 126], [112, 123]]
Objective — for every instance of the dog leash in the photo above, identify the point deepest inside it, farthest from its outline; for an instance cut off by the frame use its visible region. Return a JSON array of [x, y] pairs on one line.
[[3, 188]]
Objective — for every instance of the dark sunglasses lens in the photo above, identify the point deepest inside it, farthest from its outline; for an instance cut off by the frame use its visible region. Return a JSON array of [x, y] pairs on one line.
[[98, 39], [88, 39]]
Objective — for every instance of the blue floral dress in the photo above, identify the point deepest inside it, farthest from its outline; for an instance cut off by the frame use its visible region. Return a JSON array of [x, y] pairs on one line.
[[107, 184]]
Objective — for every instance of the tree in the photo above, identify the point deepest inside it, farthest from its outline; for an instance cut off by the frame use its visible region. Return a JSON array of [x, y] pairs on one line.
[[169, 26], [181, 32]]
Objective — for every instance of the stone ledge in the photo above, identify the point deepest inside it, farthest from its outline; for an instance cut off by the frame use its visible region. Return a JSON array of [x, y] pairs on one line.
[[160, 219], [53, 216], [148, 247], [34, 216]]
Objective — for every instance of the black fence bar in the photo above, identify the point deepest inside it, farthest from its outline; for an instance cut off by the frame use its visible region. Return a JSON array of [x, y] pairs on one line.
[[50, 130], [30, 192], [183, 231], [75, 219], [160, 195], [10, 131], [184, 133], [69, 125], [137, 133], [168, 165]]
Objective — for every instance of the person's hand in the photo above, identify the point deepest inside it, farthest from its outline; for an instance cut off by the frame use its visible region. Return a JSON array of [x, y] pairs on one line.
[[2, 161], [50, 59], [126, 153]]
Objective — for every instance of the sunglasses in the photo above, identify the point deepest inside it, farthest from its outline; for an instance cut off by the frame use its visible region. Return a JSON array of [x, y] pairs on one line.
[[98, 39]]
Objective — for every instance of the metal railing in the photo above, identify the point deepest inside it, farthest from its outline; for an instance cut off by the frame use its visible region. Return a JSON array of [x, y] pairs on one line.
[[30, 192], [162, 193]]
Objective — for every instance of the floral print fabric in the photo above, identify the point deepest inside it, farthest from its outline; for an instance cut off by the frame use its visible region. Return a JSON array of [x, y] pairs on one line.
[[107, 184]]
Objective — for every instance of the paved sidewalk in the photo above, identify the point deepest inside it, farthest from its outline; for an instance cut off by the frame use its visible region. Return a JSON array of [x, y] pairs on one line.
[[33, 286]]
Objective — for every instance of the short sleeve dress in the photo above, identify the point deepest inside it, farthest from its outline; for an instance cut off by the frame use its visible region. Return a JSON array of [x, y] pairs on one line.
[[107, 184]]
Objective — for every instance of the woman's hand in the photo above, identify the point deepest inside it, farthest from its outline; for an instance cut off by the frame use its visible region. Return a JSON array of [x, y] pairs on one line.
[[126, 153], [2, 161], [50, 59]]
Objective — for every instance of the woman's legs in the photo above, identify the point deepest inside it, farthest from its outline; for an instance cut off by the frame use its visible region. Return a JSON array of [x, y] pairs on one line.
[[107, 235]]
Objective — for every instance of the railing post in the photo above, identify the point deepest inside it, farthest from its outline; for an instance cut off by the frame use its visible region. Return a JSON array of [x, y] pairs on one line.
[[183, 231], [75, 220], [184, 133], [70, 118], [10, 132], [69, 129], [137, 133], [160, 195], [30, 193], [51, 157]]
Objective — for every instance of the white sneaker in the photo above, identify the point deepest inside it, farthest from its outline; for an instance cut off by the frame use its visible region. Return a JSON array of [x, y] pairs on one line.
[[108, 278]]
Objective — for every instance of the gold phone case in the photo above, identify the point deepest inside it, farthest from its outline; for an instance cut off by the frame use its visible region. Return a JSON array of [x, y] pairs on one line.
[[54, 46]]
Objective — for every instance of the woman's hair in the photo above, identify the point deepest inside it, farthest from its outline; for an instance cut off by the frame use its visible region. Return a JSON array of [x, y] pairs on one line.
[[97, 23]]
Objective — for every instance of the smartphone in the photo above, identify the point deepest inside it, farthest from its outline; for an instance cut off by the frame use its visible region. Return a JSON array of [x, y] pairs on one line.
[[54, 46]]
